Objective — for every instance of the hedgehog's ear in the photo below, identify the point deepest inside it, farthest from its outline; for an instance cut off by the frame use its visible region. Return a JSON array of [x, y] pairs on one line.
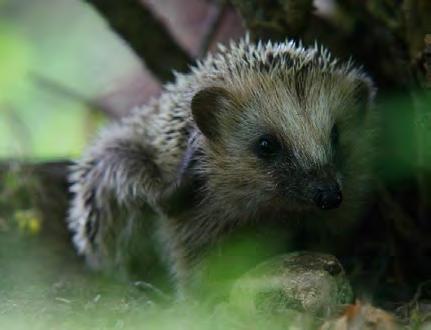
[[208, 106]]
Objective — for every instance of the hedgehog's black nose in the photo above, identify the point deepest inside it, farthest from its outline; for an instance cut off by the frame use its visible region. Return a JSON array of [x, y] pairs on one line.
[[328, 196]]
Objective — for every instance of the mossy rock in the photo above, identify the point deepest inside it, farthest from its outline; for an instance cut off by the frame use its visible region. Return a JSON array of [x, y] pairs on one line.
[[306, 282]]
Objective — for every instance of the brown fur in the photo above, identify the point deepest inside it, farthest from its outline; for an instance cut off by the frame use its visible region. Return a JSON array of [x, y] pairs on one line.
[[190, 155]]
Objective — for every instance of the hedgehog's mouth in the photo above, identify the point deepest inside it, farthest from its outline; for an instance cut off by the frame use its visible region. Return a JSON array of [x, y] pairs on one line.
[[292, 203], [324, 196]]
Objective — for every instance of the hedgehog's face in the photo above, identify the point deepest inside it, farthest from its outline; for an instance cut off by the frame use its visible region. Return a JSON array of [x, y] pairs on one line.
[[285, 144]]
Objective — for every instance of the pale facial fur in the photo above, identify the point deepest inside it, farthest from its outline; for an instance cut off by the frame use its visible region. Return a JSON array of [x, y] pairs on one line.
[[306, 115]]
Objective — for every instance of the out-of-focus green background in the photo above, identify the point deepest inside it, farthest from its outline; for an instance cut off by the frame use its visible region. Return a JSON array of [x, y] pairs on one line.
[[66, 42]]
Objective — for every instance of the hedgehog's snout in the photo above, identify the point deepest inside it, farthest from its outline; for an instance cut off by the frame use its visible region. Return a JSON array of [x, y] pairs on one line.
[[328, 196]]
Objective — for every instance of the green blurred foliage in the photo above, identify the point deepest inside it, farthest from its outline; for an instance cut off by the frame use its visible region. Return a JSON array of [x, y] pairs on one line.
[[404, 131], [43, 285], [34, 123], [51, 39], [45, 289], [396, 152], [15, 63]]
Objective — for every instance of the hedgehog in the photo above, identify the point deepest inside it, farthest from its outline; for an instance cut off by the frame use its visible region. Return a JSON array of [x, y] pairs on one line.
[[256, 135]]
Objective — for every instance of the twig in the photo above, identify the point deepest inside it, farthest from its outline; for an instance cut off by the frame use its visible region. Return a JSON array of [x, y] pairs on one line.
[[61, 89], [148, 287], [405, 310], [145, 35], [297, 15], [395, 214], [214, 27]]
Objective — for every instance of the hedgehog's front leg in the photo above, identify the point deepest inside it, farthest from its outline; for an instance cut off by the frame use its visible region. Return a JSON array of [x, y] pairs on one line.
[[113, 180]]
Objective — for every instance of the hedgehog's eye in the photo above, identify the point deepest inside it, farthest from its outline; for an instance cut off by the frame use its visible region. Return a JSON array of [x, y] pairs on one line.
[[335, 136], [267, 146]]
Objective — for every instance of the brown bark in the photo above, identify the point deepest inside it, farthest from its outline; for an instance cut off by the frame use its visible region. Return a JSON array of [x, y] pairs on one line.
[[147, 37]]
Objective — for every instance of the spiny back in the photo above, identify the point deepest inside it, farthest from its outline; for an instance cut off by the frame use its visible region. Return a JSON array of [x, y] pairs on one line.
[[244, 60]]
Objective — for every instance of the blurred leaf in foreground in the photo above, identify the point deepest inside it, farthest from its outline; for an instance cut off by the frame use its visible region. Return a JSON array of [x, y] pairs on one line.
[[15, 62], [28, 221]]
